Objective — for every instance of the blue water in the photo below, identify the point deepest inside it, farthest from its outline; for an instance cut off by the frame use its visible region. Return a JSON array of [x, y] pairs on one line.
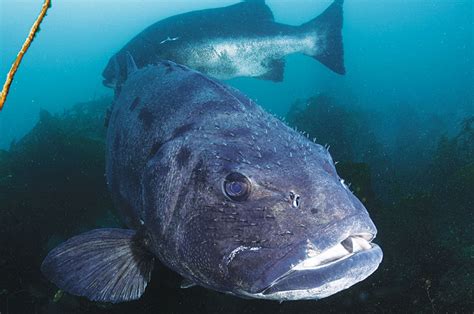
[[401, 122], [400, 55]]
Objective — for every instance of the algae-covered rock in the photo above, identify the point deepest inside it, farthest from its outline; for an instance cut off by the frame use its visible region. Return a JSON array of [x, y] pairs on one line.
[[422, 206], [343, 128], [328, 122], [52, 186], [357, 175], [5, 171], [460, 185]]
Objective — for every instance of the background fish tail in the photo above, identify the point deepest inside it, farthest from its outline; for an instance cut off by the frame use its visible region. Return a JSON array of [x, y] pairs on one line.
[[327, 28]]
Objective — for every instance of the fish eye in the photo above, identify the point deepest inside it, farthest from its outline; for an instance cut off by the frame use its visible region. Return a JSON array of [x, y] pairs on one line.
[[236, 186]]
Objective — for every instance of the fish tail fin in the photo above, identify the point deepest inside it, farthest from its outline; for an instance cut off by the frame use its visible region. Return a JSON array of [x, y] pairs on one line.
[[106, 265], [328, 47]]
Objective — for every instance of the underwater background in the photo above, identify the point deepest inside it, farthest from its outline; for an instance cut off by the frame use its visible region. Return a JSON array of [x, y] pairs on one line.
[[400, 123]]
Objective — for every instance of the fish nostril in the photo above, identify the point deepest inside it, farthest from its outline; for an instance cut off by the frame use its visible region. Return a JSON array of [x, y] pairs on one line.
[[294, 199], [314, 210]]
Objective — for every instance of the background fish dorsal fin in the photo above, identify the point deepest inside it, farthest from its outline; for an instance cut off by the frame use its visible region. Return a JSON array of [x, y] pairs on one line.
[[260, 2], [255, 10]]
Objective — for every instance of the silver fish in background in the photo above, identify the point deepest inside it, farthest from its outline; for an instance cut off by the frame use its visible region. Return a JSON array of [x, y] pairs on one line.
[[238, 40], [221, 192]]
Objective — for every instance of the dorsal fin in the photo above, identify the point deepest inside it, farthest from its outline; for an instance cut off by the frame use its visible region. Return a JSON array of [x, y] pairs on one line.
[[255, 10], [131, 65]]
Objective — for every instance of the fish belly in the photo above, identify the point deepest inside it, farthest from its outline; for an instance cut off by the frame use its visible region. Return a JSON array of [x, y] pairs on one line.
[[226, 59]]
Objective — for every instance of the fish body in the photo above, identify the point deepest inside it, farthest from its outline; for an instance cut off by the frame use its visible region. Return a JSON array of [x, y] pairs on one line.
[[238, 40], [221, 192]]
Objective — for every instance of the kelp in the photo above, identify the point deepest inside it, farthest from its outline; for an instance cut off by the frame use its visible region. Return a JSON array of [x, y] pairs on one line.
[[417, 191], [52, 186]]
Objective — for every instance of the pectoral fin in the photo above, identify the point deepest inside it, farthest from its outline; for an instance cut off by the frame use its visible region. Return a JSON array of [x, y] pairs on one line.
[[107, 265], [276, 69]]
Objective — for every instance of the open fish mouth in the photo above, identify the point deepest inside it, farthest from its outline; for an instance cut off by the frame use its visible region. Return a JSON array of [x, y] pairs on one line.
[[322, 273], [345, 249]]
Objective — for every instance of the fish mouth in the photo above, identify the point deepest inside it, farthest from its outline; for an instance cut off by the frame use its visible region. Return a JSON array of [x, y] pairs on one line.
[[345, 249], [109, 83], [317, 274]]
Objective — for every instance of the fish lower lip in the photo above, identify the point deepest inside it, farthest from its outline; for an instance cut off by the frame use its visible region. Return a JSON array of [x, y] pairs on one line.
[[331, 258], [326, 273], [315, 260]]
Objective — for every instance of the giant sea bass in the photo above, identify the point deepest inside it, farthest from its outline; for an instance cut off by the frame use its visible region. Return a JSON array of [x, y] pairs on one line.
[[238, 40]]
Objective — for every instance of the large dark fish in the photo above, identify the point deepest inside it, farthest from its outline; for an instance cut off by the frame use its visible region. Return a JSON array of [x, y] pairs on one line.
[[238, 40], [221, 192]]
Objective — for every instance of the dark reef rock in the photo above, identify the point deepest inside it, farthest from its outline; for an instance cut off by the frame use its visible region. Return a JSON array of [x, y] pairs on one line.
[[52, 186]]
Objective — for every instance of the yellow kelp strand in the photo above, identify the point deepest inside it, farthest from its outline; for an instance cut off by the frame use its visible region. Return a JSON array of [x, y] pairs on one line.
[[24, 48]]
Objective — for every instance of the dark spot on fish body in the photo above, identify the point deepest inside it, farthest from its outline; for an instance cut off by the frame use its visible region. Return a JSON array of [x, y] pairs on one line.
[[183, 156], [314, 211], [135, 103], [147, 118], [180, 131]]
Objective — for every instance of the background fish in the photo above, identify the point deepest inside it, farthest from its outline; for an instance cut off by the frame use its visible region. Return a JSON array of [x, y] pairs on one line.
[[238, 40], [221, 192]]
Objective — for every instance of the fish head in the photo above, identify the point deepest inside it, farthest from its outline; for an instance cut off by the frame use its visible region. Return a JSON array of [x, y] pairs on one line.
[[272, 219]]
